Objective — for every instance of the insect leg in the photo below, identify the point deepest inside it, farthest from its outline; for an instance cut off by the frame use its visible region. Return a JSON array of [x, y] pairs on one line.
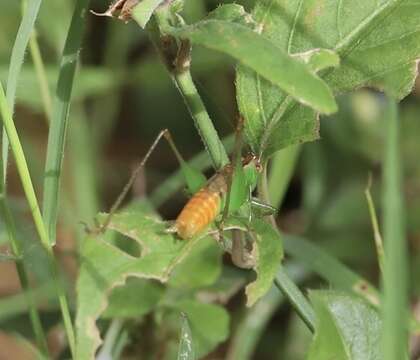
[[262, 208]]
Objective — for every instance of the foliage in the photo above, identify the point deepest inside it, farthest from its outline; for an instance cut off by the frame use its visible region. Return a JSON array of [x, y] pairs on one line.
[[300, 69]]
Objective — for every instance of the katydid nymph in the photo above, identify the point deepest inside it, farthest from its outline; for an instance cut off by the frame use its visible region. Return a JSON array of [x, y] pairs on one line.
[[227, 192]]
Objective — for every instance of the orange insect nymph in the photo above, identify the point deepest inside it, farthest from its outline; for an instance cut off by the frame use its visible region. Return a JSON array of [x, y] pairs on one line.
[[203, 207]]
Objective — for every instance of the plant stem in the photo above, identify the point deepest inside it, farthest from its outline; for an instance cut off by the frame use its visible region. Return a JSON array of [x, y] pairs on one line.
[[395, 290], [178, 66], [111, 338], [25, 177], [201, 118], [283, 281]]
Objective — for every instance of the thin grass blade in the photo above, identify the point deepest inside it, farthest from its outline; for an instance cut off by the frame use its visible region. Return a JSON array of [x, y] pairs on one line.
[[186, 346], [61, 106], [16, 61]]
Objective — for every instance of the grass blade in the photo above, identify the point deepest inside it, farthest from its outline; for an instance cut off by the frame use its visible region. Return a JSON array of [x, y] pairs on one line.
[[28, 188], [339, 276], [395, 275], [16, 61], [375, 226], [186, 347], [57, 133], [301, 305]]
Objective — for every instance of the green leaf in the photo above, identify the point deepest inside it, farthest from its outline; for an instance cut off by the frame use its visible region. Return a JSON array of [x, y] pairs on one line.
[[268, 253], [103, 267], [16, 61], [201, 267], [347, 328], [263, 56], [135, 298], [377, 42], [209, 324], [61, 108], [144, 10], [186, 345]]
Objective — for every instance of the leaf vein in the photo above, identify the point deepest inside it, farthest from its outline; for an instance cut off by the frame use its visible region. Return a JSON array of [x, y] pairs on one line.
[[292, 30]]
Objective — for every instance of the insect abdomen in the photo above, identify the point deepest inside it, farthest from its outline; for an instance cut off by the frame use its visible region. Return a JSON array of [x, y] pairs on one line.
[[199, 212]]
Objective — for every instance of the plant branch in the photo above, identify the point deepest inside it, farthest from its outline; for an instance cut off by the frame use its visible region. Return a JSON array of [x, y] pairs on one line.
[[176, 57]]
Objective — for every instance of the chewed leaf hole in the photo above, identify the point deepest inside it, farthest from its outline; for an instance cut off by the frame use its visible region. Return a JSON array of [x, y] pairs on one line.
[[124, 243]]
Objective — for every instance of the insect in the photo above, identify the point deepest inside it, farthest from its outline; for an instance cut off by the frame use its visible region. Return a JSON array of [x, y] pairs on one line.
[[227, 192], [206, 204]]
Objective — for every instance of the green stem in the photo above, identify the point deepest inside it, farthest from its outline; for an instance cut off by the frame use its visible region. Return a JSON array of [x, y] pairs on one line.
[[395, 290], [178, 65], [28, 188], [201, 118], [283, 281], [23, 277], [111, 338]]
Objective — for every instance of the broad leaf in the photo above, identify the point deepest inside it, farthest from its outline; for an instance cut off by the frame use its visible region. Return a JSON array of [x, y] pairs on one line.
[[201, 267], [263, 56], [377, 42], [144, 10], [347, 328], [135, 298], [268, 254], [104, 266]]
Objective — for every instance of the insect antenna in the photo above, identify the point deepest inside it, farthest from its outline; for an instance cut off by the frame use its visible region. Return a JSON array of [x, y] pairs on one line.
[[130, 182]]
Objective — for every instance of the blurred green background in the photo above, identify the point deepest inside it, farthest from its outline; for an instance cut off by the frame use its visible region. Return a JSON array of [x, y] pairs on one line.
[[123, 97]]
